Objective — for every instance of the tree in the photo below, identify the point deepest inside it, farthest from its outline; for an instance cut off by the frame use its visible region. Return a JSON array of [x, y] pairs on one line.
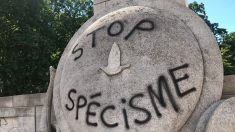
[[226, 41], [228, 53], [199, 9], [33, 35]]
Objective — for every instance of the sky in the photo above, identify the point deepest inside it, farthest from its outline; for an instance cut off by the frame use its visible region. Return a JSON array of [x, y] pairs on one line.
[[220, 11]]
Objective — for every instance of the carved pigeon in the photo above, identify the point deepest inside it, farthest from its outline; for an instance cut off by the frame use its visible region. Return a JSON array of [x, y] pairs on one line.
[[114, 62]]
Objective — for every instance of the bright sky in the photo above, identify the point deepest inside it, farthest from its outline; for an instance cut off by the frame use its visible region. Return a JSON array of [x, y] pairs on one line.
[[220, 11]]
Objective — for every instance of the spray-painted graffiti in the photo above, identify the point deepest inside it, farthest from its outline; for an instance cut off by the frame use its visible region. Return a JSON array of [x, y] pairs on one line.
[[154, 94], [3, 122], [140, 26]]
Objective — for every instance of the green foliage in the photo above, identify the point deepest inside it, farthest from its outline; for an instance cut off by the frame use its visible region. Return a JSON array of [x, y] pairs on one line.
[[226, 41], [33, 35], [199, 9], [228, 53]]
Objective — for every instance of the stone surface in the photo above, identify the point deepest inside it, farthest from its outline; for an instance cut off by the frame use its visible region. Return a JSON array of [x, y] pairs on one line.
[[6, 101], [209, 48], [201, 125], [229, 85], [22, 115], [182, 2], [22, 100], [223, 118], [14, 124], [38, 118], [101, 5], [28, 100], [99, 1], [150, 60], [114, 62], [227, 96], [213, 81], [18, 111], [212, 63], [17, 120]]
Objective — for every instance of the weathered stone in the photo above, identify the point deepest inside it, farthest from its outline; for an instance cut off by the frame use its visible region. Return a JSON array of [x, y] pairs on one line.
[[28, 100], [201, 126], [149, 58], [47, 108], [21, 115], [101, 5], [99, 1], [22, 100], [223, 118], [38, 118], [17, 120], [6, 124], [229, 85], [6, 102], [18, 111], [25, 124]]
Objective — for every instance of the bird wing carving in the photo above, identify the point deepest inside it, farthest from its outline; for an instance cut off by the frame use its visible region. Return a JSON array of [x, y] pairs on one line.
[[114, 57]]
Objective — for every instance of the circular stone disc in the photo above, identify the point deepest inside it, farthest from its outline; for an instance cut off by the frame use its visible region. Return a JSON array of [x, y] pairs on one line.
[[223, 118], [202, 123], [213, 65], [135, 69]]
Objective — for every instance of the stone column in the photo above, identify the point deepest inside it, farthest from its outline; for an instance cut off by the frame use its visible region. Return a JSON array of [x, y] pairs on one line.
[[100, 5]]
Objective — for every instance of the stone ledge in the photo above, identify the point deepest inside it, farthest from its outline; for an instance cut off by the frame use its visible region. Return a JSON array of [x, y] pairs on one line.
[[229, 85], [17, 112], [29, 100], [22, 100]]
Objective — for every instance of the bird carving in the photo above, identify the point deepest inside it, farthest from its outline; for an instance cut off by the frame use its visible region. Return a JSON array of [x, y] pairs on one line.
[[114, 62]]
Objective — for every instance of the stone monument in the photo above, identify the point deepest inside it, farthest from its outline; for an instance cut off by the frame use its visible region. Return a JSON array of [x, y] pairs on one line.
[[137, 65]]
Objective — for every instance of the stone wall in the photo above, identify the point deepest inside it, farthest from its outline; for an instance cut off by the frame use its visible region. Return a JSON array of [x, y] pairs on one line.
[[23, 113], [229, 87]]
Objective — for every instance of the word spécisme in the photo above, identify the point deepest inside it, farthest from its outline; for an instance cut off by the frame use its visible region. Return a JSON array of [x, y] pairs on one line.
[[162, 83]]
